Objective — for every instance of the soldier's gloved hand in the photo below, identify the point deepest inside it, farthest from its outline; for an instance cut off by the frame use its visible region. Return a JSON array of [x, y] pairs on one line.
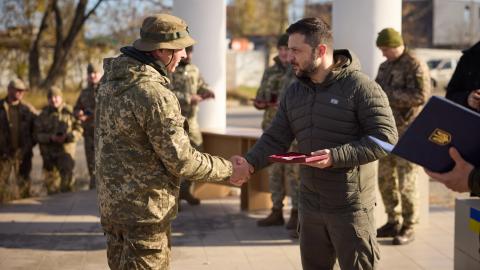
[[242, 170]]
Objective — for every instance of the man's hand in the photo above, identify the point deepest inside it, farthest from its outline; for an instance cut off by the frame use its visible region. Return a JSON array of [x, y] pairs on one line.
[[81, 116], [242, 170], [58, 138], [195, 99], [208, 94], [474, 99], [259, 104], [457, 178], [326, 159]]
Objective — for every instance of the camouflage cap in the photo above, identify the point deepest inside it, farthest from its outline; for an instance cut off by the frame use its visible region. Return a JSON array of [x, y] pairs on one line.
[[17, 84], [163, 31], [54, 91]]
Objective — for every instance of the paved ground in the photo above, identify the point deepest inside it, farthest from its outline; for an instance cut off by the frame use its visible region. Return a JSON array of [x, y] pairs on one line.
[[63, 232]]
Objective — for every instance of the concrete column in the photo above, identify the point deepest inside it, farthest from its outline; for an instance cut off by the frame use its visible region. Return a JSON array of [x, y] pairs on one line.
[[356, 24], [207, 24]]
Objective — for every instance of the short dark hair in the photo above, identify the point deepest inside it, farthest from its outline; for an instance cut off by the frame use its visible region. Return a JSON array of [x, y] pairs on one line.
[[315, 30], [189, 49]]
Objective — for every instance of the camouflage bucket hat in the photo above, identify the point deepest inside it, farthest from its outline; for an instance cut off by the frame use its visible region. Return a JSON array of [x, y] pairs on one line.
[[163, 31]]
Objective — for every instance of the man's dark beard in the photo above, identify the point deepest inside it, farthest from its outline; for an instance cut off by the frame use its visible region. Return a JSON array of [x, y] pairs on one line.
[[308, 71]]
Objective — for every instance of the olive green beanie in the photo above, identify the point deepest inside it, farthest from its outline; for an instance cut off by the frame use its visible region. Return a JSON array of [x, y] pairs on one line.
[[388, 37]]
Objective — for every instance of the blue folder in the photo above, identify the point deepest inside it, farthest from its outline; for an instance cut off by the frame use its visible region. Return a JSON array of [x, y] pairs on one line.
[[440, 125]]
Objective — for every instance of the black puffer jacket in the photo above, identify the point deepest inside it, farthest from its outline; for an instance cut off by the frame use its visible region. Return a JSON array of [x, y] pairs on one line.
[[337, 114], [466, 77]]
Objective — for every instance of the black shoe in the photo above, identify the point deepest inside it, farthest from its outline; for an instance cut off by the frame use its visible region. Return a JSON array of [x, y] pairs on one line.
[[188, 197], [274, 219], [406, 235], [388, 230]]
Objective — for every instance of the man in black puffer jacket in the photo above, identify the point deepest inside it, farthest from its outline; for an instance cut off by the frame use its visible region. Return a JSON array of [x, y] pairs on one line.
[[464, 86], [333, 107]]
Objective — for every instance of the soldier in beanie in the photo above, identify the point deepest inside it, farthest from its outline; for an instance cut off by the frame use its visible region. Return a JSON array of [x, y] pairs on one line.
[[57, 131], [267, 97], [84, 111], [406, 81], [16, 142], [142, 148], [190, 89]]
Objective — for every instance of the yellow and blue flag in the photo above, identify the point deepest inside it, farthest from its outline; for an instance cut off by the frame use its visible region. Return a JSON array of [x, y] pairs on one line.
[[474, 222]]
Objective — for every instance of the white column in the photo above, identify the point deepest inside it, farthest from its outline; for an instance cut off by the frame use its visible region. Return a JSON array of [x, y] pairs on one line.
[[355, 26], [206, 21]]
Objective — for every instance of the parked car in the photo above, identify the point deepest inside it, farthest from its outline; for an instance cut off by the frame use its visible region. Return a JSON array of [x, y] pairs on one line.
[[441, 70]]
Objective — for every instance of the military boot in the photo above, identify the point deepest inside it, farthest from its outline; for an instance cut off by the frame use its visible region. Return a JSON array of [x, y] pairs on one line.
[[389, 230], [406, 235], [186, 195], [274, 219], [292, 222]]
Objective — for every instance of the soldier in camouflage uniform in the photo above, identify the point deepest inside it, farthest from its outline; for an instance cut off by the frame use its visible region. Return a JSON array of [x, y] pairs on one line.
[[405, 80], [84, 111], [16, 142], [275, 79], [57, 131], [142, 148], [190, 89]]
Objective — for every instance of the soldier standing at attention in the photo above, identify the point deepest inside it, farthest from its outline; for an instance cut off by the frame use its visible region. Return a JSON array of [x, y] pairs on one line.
[[142, 148], [16, 142], [267, 97], [406, 81], [190, 89], [84, 111], [57, 131]]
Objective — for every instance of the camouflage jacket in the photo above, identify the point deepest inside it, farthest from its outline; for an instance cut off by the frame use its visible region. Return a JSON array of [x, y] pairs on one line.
[[141, 146], [26, 140], [187, 81], [406, 81], [86, 103], [53, 121], [269, 89]]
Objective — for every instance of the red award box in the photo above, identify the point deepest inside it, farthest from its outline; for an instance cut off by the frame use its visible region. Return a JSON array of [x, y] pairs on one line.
[[294, 157]]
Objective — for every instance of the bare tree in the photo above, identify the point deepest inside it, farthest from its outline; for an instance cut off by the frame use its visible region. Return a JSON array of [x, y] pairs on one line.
[[64, 41]]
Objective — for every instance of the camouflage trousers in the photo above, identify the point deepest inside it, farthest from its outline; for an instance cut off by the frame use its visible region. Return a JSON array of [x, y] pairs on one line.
[[278, 174], [397, 181], [13, 184], [90, 157], [137, 247], [58, 172]]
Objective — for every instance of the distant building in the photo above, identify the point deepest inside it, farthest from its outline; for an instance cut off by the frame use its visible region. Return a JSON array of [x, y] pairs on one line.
[[451, 24]]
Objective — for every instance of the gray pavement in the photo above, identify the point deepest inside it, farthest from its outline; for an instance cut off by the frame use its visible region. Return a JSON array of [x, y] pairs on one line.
[[63, 232]]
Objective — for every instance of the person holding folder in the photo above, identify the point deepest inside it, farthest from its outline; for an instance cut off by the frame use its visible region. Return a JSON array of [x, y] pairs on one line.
[[464, 177], [406, 81]]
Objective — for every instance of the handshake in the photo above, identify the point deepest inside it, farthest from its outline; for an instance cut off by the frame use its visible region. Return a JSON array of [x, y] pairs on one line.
[[242, 170]]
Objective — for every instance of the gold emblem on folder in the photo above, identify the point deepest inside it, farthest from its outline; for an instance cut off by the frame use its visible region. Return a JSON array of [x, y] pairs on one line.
[[440, 137]]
